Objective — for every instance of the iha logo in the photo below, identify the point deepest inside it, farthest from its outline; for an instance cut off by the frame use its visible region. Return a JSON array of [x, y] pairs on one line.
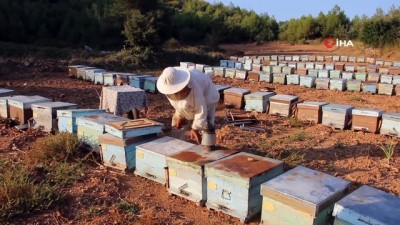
[[330, 42]]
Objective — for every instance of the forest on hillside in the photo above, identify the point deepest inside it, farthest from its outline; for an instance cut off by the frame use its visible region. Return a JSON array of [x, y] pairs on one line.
[[149, 24]]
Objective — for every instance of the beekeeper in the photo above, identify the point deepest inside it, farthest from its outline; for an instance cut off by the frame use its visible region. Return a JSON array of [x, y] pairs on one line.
[[194, 97]]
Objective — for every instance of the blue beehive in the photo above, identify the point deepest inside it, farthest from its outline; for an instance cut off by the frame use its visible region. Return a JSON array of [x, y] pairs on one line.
[[307, 81], [361, 76], [277, 69], [353, 85], [396, 79], [335, 74], [151, 157], [371, 88], [45, 114], [239, 66], [301, 196], [337, 84], [319, 66], [287, 70], [323, 73], [390, 124], [150, 84], [373, 77], [347, 75], [301, 65], [233, 183], [91, 127], [310, 65], [336, 115], [279, 78], [329, 66], [120, 153], [293, 79], [386, 79], [138, 81], [267, 77], [322, 83], [247, 66], [350, 68], [361, 68], [296, 58], [231, 64], [385, 89], [223, 63], [257, 101], [133, 128], [90, 73], [313, 72], [6, 92], [304, 58], [367, 205], [67, 118], [267, 69], [186, 172]]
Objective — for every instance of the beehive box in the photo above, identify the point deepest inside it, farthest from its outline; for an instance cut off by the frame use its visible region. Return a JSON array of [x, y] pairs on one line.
[[256, 67], [366, 119], [219, 71], [109, 78], [386, 79], [279, 78], [360, 59], [310, 65], [248, 60], [292, 64], [208, 69], [123, 78], [320, 58], [362, 76], [221, 89], [385, 89], [247, 66], [379, 62], [339, 66], [45, 114], [369, 87], [337, 84], [288, 70], [313, 72], [241, 74], [257, 101], [273, 63], [394, 70], [120, 153], [281, 57], [350, 68], [344, 58], [336, 74], [81, 71], [288, 58], [347, 75], [231, 64], [370, 60], [277, 69], [383, 70], [254, 75], [319, 66], [372, 68], [367, 205], [150, 84], [301, 65], [336, 116], [304, 58], [396, 79], [324, 73], [190, 64], [274, 57], [151, 157], [282, 63], [6, 92], [235, 97], [282, 105], [388, 63], [301, 196], [296, 58], [322, 83], [200, 67], [4, 107], [373, 77], [233, 58], [310, 111], [312, 58], [335, 58], [133, 128], [92, 126], [89, 74], [307, 81], [302, 71], [267, 69], [397, 89], [328, 58], [67, 118], [352, 59], [138, 81], [230, 73], [233, 183], [239, 65], [186, 172], [390, 124], [73, 70], [396, 64], [267, 77], [329, 66], [257, 61], [361, 68], [19, 107], [353, 85], [223, 63], [293, 79], [99, 78]]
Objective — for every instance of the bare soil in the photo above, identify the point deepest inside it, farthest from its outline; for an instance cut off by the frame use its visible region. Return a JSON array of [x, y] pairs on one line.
[[354, 156]]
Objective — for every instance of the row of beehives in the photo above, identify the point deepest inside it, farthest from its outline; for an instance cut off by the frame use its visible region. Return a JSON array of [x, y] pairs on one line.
[[239, 184], [108, 78]]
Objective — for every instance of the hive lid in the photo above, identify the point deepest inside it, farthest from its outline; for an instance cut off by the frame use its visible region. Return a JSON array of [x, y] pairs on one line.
[[102, 118], [221, 87], [311, 104], [196, 155], [305, 189], [244, 165], [367, 112], [165, 146], [4, 91], [391, 115], [113, 140], [96, 70], [338, 80], [133, 124], [123, 88], [73, 112], [86, 68], [53, 105], [236, 91], [285, 98], [140, 77], [322, 79], [152, 78], [370, 204], [26, 101], [337, 107], [259, 95]]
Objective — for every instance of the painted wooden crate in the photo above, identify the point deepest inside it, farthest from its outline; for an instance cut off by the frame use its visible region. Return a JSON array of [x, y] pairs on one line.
[[361, 68], [267, 77], [310, 65], [235, 97], [186, 172], [89, 75], [304, 58], [73, 70], [301, 65], [322, 83], [296, 58], [120, 153], [383, 70], [307, 81], [219, 71], [267, 69], [352, 59], [279, 78], [347, 75], [282, 105], [371, 88], [45, 114], [287, 70], [320, 58], [292, 64], [81, 71], [257, 101], [367, 205], [396, 79], [337, 84], [233, 183], [277, 69], [239, 65], [372, 68], [293, 79], [390, 124], [350, 68], [256, 67], [150, 84], [221, 89], [6, 92], [92, 126], [329, 66], [366, 119], [324, 73], [336, 74], [254, 75], [344, 58], [187, 64], [370, 60], [138, 81], [310, 111], [335, 58], [319, 66], [247, 66], [67, 118], [385, 89], [151, 157], [109, 78], [301, 196], [337, 115], [302, 71], [361, 76], [353, 85], [133, 128], [312, 58], [394, 70], [339, 66], [19, 107], [360, 59], [223, 63], [241, 74], [313, 72], [386, 79], [230, 73]]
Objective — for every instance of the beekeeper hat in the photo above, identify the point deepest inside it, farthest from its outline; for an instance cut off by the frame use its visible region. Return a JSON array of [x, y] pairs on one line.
[[173, 80]]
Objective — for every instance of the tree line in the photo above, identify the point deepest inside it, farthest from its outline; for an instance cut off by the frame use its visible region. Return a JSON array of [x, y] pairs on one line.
[[149, 24]]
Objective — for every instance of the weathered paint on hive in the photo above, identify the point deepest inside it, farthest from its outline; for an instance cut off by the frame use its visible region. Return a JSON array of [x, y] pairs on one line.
[[201, 158]]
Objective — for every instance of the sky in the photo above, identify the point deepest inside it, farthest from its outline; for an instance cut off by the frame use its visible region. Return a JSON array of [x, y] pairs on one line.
[[286, 9]]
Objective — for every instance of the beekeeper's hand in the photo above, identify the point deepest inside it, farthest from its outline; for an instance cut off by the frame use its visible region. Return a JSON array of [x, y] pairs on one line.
[[179, 123], [195, 135]]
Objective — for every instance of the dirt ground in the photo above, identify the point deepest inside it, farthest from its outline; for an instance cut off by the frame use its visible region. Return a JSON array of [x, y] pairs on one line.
[[355, 156]]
